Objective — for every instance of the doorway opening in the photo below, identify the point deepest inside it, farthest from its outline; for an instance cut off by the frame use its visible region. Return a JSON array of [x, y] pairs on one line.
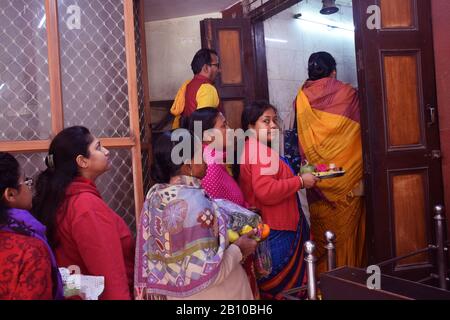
[[293, 35]]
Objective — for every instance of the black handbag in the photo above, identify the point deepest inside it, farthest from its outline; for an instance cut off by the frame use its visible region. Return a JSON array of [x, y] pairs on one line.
[[291, 146]]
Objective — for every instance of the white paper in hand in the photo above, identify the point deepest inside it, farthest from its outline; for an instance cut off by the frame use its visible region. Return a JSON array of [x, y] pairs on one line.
[[87, 287]]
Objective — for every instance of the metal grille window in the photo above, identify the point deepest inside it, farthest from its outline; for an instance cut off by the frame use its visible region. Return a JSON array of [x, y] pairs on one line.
[[24, 82], [55, 73], [31, 163], [93, 62], [116, 186]]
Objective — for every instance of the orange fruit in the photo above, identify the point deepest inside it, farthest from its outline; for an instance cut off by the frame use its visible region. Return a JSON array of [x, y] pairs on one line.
[[265, 231]]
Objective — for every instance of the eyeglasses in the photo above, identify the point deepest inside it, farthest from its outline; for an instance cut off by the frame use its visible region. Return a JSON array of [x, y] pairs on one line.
[[214, 64], [28, 182]]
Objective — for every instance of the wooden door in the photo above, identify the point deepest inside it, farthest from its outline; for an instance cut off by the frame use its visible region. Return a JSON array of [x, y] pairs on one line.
[[234, 42], [401, 134]]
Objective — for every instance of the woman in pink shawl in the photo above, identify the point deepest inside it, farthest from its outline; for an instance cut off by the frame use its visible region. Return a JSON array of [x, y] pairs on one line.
[[218, 181]]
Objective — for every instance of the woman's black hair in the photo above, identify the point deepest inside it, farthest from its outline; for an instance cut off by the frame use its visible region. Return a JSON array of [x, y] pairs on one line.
[[250, 116], [207, 117], [163, 166], [61, 170], [9, 178], [321, 65]]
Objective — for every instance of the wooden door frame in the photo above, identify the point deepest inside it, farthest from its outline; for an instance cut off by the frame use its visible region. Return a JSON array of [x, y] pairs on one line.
[[367, 81], [365, 134], [257, 18], [136, 152], [133, 142]]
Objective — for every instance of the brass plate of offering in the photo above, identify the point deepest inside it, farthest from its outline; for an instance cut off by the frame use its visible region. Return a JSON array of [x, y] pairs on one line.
[[329, 174]]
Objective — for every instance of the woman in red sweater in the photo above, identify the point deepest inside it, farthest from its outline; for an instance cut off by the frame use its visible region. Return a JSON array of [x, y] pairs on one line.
[[82, 229], [269, 184]]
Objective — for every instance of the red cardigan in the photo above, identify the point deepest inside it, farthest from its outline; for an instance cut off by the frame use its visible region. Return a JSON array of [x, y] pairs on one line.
[[274, 194], [95, 238], [25, 268]]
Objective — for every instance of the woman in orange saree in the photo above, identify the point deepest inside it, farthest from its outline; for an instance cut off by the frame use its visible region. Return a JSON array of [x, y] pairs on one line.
[[328, 124]]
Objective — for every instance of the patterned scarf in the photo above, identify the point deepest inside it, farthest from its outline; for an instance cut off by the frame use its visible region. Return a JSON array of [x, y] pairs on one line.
[[181, 240]]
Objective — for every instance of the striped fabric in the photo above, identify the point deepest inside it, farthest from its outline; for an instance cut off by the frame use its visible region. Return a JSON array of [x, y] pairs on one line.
[[289, 268]]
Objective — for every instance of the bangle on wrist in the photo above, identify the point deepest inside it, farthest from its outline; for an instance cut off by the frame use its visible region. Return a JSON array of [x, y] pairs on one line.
[[301, 182]]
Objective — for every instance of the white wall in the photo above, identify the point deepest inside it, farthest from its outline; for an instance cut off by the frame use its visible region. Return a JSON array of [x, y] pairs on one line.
[[290, 42], [171, 45]]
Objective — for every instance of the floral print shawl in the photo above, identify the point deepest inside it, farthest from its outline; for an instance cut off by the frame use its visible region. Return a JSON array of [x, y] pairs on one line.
[[181, 240]]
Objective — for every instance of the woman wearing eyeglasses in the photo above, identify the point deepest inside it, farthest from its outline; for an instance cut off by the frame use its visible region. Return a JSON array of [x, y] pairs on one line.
[[28, 269]]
